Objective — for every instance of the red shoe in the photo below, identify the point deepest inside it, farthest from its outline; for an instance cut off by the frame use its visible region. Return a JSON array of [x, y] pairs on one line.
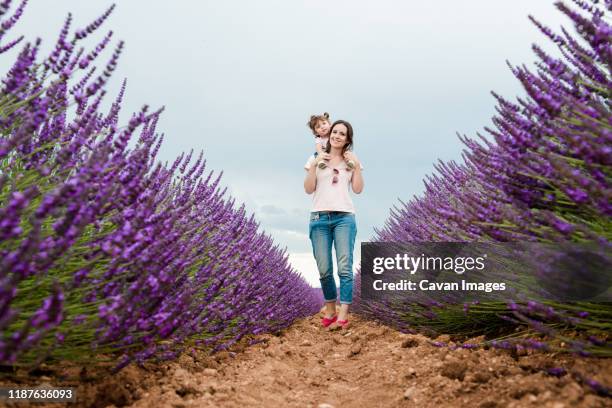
[[326, 321], [340, 324]]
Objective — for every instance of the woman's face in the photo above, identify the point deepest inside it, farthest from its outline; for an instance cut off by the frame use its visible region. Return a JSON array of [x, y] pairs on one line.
[[337, 138]]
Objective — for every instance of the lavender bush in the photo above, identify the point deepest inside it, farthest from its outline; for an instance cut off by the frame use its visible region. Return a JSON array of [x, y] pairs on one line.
[[106, 253], [543, 175]]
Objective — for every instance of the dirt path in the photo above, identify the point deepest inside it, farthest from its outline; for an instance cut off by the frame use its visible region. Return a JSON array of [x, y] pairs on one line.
[[368, 365]]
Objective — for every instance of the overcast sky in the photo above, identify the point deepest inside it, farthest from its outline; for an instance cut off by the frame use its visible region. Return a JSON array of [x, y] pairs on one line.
[[239, 80]]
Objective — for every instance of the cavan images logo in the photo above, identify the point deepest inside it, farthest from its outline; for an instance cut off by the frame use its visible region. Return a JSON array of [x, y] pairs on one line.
[[460, 272]]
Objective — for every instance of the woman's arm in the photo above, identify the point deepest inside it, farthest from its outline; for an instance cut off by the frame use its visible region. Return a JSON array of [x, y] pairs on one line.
[[357, 180], [310, 182]]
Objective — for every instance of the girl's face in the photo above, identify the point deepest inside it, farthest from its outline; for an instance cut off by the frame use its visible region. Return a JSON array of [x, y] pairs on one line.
[[322, 128], [337, 138]]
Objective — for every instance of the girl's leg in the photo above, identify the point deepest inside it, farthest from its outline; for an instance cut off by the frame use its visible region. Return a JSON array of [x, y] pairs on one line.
[[321, 239], [344, 232]]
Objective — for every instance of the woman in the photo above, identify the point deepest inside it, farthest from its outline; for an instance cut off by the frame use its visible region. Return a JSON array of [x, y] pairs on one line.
[[332, 220]]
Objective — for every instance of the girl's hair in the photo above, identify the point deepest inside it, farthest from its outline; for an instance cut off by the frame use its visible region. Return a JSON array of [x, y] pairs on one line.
[[314, 119], [349, 135]]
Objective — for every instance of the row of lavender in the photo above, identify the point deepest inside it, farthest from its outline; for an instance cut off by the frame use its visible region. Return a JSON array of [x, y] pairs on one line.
[[104, 252], [544, 177]]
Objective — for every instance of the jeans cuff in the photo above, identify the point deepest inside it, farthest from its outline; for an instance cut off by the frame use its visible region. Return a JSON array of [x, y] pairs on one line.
[[345, 303], [330, 300]]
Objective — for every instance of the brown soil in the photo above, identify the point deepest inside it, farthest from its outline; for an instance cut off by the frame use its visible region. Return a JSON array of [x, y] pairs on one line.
[[368, 365]]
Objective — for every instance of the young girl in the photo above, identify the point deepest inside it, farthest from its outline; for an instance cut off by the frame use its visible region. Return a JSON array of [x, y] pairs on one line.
[[320, 126]]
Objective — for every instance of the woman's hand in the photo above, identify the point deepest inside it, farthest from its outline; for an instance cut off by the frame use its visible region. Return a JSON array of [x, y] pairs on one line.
[[357, 178], [348, 155]]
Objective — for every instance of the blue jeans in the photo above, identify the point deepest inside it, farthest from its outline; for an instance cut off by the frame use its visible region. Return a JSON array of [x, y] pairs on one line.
[[339, 228]]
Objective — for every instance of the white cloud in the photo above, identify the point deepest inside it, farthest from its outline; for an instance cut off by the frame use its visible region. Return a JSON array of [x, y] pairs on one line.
[[305, 264]]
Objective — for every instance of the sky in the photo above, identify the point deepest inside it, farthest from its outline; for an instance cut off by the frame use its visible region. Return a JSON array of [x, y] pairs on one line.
[[239, 80]]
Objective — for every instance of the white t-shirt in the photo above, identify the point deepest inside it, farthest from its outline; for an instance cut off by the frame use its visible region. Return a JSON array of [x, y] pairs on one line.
[[329, 196]]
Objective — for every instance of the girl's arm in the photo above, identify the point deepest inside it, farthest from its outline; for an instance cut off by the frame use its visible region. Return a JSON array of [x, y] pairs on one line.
[[322, 154], [310, 182], [319, 148]]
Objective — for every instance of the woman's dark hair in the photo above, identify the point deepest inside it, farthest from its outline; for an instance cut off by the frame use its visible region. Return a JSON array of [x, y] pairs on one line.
[[349, 135]]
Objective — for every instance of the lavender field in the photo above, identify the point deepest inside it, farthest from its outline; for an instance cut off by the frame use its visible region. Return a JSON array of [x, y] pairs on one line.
[[106, 253], [109, 256], [543, 174]]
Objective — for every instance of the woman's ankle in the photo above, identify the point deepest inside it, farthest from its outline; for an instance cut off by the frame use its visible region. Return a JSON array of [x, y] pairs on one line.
[[330, 308]]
